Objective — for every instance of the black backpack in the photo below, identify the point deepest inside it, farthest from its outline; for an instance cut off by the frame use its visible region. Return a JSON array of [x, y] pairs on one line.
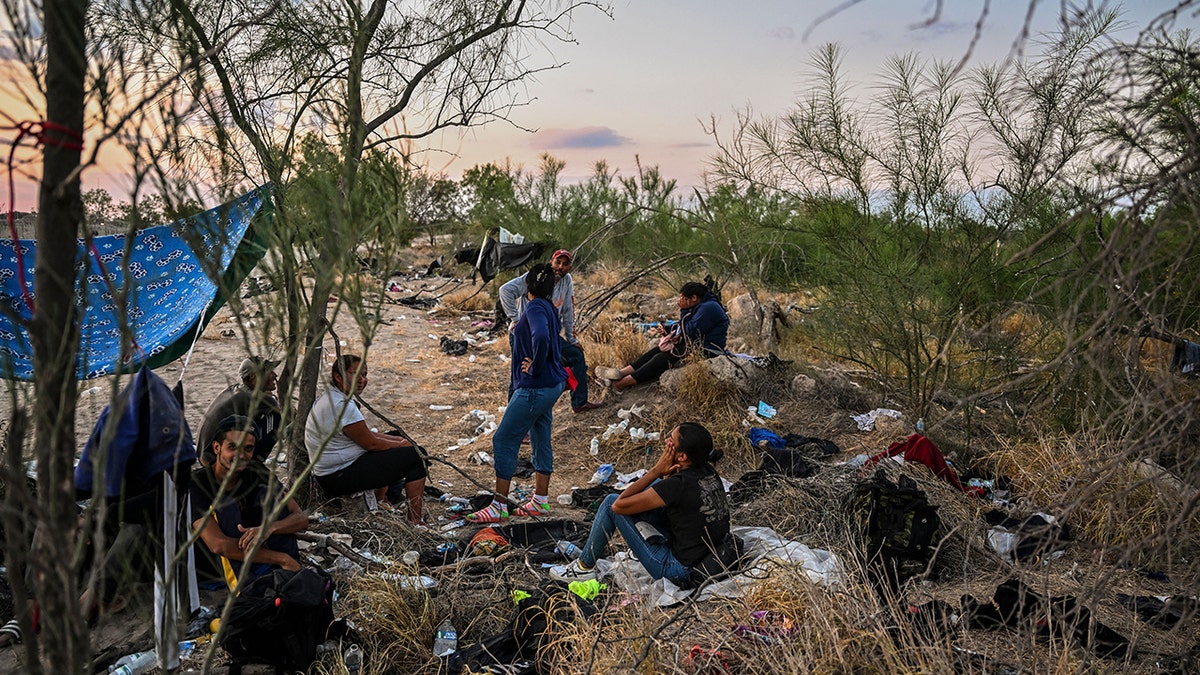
[[279, 619], [898, 526]]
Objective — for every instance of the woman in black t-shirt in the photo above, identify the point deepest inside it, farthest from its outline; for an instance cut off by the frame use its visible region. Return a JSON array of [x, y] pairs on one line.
[[681, 496]]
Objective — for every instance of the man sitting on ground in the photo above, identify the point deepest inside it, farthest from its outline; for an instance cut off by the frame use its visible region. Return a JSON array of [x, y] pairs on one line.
[[348, 457], [702, 329], [513, 298], [232, 499], [254, 397]]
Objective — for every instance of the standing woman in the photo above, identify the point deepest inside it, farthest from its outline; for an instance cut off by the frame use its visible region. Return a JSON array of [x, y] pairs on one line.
[[537, 381], [682, 496]]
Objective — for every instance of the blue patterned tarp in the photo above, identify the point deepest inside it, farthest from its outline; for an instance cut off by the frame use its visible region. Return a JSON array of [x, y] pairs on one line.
[[169, 278]]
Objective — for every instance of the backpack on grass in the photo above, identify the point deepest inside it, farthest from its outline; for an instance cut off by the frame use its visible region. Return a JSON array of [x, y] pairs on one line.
[[898, 526], [279, 619]]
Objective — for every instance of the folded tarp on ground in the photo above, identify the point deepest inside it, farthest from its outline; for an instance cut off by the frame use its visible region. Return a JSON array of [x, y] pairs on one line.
[[167, 274]]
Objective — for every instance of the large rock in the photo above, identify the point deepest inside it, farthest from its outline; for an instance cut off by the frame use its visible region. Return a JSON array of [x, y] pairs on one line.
[[804, 386], [737, 372], [741, 308]]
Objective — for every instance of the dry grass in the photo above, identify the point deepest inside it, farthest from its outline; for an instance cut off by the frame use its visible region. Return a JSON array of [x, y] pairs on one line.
[[469, 299], [1095, 486]]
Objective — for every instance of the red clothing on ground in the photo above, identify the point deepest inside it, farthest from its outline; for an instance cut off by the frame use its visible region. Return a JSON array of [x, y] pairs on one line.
[[917, 448]]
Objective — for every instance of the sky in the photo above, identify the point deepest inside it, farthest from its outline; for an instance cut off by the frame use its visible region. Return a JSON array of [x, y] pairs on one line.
[[641, 84]]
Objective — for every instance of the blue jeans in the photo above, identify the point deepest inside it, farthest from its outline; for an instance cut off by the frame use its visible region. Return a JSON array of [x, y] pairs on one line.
[[658, 559], [529, 411]]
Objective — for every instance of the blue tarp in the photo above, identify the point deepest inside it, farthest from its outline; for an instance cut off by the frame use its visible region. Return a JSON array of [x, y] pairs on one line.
[[169, 279]]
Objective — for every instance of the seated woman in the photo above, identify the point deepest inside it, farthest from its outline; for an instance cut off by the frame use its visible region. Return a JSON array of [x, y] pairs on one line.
[[702, 328], [681, 495]]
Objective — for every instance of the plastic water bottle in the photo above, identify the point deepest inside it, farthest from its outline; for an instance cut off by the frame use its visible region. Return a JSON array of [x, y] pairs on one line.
[[568, 549], [602, 475], [353, 659], [921, 425], [595, 449], [445, 642], [135, 664]]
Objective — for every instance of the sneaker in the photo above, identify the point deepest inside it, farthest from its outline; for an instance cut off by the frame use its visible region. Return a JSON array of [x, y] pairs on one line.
[[488, 514], [572, 572], [590, 405], [531, 508], [608, 373]]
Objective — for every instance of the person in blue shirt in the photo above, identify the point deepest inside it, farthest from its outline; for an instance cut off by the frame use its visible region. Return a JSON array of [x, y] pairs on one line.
[[538, 378], [513, 298], [702, 329]]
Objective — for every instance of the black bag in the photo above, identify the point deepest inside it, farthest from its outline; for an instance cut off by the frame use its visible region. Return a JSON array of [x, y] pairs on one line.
[[898, 525], [279, 619], [720, 563]]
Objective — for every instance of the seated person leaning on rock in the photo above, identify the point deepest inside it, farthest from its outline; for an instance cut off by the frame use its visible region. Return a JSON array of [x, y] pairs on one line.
[[231, 498], [702, 329], [348, 457]]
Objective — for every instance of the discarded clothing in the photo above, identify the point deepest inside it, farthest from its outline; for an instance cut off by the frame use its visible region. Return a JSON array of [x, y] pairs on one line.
[[1016, 606], [1186, 358], [786, 461], [1162, 612], [418, 302], [759, 435], [1015, 539], [453, 347], [811, 444], [866, 421], [917, 448]]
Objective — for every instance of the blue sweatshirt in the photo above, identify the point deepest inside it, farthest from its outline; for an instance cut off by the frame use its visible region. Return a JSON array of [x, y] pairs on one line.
[[536, 336], [705, 324]]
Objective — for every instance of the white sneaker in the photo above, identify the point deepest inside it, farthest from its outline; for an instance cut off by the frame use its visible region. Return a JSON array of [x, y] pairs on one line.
[[572, 572], [608, 373]]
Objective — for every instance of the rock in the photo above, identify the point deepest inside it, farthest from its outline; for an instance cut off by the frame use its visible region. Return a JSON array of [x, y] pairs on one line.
[[734, 371], [672, 379], [803, 385], [741, 308]]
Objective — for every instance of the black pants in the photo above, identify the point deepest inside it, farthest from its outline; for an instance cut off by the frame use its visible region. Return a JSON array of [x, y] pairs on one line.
[[386, 468], [650, 366]]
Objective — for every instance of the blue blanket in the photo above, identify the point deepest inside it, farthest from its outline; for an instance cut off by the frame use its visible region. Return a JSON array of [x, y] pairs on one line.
[[169, 278]]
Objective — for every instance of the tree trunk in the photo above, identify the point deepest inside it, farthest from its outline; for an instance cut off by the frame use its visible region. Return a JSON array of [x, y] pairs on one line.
[[55, 336]]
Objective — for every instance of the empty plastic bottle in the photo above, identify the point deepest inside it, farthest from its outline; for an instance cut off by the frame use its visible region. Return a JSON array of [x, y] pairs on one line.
[[568, 549], [353, 659], [595, 449], [921, 425], [602, 474], [445, 642], [135, 664]]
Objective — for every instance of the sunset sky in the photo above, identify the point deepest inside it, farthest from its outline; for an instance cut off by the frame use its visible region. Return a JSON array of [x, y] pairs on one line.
[[640, 84]]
